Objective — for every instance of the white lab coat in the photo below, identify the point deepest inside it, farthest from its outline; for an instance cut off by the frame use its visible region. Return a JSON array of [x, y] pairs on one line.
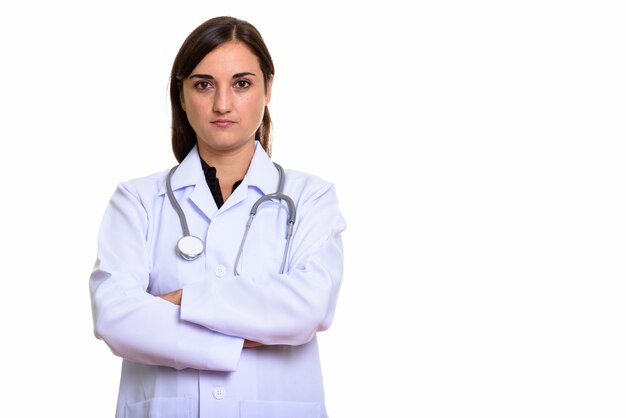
[[188, 361]]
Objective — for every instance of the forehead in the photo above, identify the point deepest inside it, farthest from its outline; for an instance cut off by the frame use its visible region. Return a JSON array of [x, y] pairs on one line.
[[227, 59]]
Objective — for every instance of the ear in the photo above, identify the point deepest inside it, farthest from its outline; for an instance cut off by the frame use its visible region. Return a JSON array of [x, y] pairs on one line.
[[181, 96], [268, 90]]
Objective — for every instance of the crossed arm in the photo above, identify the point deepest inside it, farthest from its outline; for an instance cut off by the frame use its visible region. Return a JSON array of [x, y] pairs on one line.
[[176, 297]]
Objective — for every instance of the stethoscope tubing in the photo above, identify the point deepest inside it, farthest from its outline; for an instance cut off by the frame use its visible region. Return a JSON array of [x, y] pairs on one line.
[[189, 247]]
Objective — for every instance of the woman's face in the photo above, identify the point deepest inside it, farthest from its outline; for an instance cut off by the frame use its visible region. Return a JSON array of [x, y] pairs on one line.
[[224, 98]]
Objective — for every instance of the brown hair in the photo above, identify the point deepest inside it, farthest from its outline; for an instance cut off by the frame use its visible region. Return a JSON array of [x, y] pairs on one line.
[[198, 44]]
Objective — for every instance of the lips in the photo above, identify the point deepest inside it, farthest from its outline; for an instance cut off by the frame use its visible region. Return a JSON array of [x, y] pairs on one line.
[[222, 123]]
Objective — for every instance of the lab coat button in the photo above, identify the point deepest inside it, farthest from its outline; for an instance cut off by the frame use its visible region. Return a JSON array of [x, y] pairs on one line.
[[219, 270], [219, 393]]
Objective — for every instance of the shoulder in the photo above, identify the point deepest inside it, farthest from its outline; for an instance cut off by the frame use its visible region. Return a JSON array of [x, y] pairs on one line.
[[315, 198], [306, 188], [145, 188], [303, 180]]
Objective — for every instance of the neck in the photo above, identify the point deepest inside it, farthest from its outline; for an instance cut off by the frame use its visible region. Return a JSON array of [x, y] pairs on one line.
[[230, 165]]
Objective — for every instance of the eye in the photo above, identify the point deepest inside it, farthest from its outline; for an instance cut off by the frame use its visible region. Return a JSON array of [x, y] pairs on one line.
[[242, 84], [202, 85]]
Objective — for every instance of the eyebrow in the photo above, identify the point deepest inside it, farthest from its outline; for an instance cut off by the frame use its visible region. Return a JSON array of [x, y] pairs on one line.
[[210, 77]]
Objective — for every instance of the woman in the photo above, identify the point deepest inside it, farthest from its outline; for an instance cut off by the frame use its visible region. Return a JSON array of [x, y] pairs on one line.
[[223, 325]]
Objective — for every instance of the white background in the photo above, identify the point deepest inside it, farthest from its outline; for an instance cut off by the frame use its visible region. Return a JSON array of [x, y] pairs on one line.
[[478, 153]]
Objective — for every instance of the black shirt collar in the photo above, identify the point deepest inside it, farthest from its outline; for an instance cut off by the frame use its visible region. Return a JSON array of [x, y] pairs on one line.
[[210, 174]]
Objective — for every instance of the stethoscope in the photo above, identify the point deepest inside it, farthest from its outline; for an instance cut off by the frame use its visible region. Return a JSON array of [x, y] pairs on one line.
[[190, 247]]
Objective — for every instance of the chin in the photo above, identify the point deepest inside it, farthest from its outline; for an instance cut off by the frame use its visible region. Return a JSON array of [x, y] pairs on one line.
[[226, 144]]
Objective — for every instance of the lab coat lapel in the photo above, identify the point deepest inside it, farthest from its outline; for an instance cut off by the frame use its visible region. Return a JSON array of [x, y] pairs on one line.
[[189, 173], [240, 193], [261, 175], [202, 198]]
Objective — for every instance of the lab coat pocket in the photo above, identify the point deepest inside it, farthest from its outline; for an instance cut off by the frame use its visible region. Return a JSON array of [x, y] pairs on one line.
[[279, 409], [160, 408]]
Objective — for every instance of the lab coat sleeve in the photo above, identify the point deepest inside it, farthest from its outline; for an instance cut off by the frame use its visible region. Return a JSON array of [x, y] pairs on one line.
[[277, 308], [136, 325]]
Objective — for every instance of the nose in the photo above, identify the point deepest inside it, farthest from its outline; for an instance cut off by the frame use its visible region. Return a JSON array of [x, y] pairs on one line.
[[222, 100]]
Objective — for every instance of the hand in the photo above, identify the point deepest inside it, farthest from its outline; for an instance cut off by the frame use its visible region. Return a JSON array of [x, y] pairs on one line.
[[173, 297], [251, 344]]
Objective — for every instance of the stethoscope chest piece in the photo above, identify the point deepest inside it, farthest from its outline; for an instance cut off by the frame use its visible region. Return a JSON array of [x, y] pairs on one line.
[[190, 247]]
